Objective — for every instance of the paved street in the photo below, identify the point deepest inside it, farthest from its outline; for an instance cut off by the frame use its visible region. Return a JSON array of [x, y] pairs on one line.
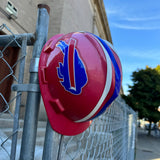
[[147, 147]]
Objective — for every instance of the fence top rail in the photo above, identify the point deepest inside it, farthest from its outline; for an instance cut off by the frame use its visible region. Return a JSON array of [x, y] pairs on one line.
[[16, 39], [122, 104]]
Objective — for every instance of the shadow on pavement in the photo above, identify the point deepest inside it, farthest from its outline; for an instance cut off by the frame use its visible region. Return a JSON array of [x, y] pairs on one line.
[[147, 147]]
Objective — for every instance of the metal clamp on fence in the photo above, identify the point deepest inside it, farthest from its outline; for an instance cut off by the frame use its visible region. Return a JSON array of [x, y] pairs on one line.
[[26, 87]]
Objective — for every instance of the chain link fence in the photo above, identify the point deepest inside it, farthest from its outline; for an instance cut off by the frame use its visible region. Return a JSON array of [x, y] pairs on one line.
[[110, 137], [12, 65]]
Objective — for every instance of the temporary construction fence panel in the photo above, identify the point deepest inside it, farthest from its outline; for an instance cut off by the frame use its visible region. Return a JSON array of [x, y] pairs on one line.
[[110, 137]]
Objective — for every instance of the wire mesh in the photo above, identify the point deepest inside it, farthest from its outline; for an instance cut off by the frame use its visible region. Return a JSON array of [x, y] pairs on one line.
[[110, 137], [10, 59]]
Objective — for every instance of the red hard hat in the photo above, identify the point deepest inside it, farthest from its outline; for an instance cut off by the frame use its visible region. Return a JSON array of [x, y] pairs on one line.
[[79, 75]]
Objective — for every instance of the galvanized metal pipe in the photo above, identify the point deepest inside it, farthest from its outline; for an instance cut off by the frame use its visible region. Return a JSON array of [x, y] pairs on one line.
[[33, 99], [60, 147], [18, 100], [12, 40], [49, 147]]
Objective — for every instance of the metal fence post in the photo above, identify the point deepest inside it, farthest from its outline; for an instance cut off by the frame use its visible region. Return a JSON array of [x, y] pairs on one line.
[[49, 152], [124, 133], [33, 99], [18, 101]]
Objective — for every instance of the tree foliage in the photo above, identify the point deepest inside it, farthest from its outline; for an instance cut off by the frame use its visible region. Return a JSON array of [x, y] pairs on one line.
[[144, 94], [158, 69]]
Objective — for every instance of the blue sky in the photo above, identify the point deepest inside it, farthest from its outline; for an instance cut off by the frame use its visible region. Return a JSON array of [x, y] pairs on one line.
[[135, 31]]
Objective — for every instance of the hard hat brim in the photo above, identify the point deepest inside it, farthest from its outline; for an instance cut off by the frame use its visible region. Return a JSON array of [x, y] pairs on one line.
[[59, 122]]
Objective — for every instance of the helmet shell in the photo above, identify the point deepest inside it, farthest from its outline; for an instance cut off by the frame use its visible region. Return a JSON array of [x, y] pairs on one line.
[[78, 80]]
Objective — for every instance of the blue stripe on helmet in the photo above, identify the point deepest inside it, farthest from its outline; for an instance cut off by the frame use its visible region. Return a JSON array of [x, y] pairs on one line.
[[117, 77]]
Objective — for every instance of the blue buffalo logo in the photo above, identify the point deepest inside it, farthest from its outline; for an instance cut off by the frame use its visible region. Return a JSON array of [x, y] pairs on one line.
[[71, 72]]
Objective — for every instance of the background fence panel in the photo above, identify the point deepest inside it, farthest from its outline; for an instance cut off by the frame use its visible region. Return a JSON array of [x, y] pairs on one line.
[[110, 137], [6, 98]]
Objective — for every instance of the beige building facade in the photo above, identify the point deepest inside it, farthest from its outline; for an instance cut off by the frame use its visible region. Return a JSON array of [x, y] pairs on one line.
[[65, 16]]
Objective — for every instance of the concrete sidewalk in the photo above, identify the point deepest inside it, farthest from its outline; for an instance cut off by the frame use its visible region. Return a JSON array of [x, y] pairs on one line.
[[147, 147]]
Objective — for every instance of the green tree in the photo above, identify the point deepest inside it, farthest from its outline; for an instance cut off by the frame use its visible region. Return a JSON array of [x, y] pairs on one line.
[[158, 69], [144, 94]]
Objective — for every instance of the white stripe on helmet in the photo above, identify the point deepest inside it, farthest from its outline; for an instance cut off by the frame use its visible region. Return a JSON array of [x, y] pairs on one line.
[[106, 88]]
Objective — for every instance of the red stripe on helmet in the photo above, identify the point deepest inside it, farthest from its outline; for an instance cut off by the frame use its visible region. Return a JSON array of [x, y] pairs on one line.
[[71, 49]]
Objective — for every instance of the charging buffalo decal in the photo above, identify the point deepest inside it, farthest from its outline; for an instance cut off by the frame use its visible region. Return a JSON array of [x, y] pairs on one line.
[[71, 72]]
